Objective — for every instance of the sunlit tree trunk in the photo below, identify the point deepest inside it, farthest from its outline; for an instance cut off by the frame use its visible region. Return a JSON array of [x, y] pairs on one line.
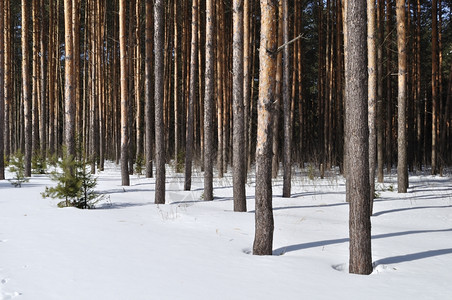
[[148, 95], [372, 94], [357, 135], [2, 92], [287, 178], [43, 127], [434, 83], [380, 112], [264, 224]]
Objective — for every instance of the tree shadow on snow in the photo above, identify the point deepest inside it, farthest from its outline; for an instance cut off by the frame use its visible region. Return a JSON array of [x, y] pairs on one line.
[[413, 256], [407, 208], [291, 248]]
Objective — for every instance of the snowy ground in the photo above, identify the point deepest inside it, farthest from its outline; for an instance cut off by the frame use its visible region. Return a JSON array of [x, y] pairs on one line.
[[130, 248]]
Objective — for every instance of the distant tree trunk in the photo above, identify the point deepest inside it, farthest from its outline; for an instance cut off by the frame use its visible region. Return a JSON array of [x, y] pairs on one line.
[[263, 239], [287, 178], [380, 112], [148, 109], [372, 94], [35, 78], [239, 170], [43, 114], [26, 87], [209, 102], [389, 71], [402, 169], [124, 95], [138, 101], [177, 144], [2, 92], [158, 98], [358, 138], [8, 138], [76, 65], [52, 76], [246, 76], [193, 95], [434, 82], [219, 76]]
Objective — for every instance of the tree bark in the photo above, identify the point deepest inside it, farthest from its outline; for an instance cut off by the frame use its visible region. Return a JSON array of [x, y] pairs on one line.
[[2, 92], [192, 97], [264, 224], [357, 136], [287, 177], [148, 100], [402, 169], [69, 100], [209, 102], [26, 87], [158, 98], [372, 94], [239, 170], [124, 96], [380, 112], [434, 83]]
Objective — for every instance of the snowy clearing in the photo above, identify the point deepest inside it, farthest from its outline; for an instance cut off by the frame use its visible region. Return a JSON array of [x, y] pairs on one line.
[[130, 248]]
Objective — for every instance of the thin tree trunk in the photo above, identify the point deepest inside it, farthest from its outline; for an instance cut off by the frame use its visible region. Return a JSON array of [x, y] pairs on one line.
[[372, 94], [8, 81], [263, 238], [246, 77], [380, 113], [192, 97], [219, 75], [287, 178], [124, 96], [148, 109], [402, 169], [158, 98], [26, 88], [69, 82], [2, 92], [358, 139], [239, 169], [43, 119], [434, 83], [209, 102]]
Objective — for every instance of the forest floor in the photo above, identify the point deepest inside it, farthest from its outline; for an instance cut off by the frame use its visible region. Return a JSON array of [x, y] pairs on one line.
[[130, 248]]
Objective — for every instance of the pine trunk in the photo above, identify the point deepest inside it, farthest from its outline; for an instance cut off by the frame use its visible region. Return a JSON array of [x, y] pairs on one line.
[[287, 177], [372, 94], [26, 88]]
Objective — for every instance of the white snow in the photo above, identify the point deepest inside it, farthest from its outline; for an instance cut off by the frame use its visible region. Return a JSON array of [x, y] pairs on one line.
[[130, 248]]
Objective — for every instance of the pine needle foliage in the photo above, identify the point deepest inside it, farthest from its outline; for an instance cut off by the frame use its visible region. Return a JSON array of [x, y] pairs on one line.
[[17, 166]]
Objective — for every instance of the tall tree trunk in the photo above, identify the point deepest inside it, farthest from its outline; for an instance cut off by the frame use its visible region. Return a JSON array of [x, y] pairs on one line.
[[192, 97], [35, 78], [52, 76], [380, 112], [219, 76], [402, 169], [76, 65], [263, 238], [69, 100], [177, 137], [372, 94], [2, 92], [8, 93], [246, 77], [148, 109], [358, 139], [287, 177], [124, 96], [158, 98], [434, 83], [43, 119], [26, 87], [389, 108], [209, 102], [239, 170]]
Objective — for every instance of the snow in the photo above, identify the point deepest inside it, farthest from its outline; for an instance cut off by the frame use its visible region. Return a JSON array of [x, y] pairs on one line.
[[130, 248]]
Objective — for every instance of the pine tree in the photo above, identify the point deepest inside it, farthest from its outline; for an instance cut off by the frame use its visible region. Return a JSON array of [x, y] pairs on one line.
[[17, 166]]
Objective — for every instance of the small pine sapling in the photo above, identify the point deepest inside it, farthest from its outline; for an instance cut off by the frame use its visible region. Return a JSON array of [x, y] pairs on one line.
[[38, 164], [17, 166]]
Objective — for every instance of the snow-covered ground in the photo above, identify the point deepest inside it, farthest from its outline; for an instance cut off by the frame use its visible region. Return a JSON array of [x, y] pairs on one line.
[[130, 248]]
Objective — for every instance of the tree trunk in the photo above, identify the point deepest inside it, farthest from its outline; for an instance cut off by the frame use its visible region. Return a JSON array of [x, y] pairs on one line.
[[2, 92], [69, 81], [357, 136], [434, 83], [26, 87], [158, 98], [372, 94], [402, 169], [380, 112], [263, 239], [209, 102], [193, 96], [8, 138], [124, 95], [43, 113], [148, 109], [287, 178], [239, 173]]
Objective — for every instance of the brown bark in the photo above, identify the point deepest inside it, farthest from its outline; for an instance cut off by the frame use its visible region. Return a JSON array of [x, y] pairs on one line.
[[287, 177], [209, 102], [239, 170], [219, 76], [69, 100], [8, 93], [2, 92], [380, 112], [43, 82], [124, 95], [158, 98], [372, 94], [35, 78], [263, 239], [358, 139], [246, 77], [402, 169], [148, 95]]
